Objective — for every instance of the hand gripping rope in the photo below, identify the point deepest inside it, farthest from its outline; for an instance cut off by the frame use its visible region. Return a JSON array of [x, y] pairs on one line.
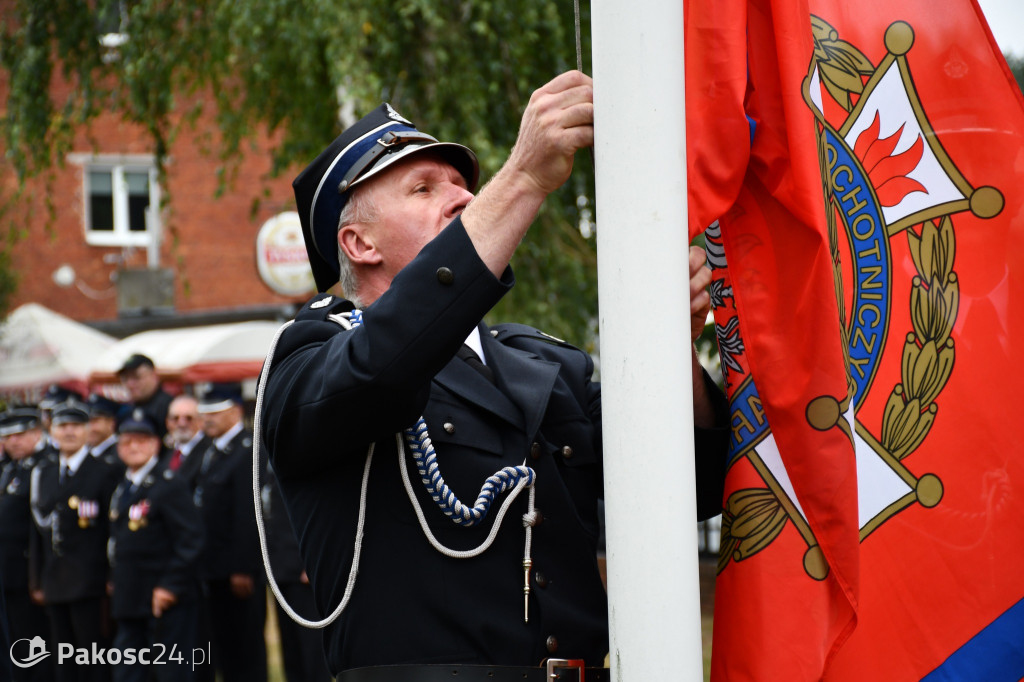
[[514, 478]]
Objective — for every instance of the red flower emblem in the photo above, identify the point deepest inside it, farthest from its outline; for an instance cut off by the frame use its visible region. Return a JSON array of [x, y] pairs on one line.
[[888, 172]]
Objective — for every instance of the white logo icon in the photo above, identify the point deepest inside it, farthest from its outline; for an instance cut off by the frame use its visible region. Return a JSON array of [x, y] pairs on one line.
[[36, 652]]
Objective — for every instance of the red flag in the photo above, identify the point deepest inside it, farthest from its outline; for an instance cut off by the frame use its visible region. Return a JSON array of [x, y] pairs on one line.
[[874, 259]]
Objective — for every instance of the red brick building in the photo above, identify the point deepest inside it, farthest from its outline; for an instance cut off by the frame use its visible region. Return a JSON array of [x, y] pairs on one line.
[[125, 250]]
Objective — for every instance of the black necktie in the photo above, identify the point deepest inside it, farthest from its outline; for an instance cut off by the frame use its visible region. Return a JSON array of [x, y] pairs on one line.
[[125, 500], [474, 361]]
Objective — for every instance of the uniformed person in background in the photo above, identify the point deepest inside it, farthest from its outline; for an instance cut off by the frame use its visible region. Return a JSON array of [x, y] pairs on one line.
[[139, 377], [231, 566], [156, 537], [55, 395], [70, 506], [102, 437], [302, 649], [22, 436], [186, 441]]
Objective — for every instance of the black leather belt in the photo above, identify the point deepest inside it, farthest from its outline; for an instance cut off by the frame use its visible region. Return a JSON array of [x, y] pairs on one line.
[[566, 671]]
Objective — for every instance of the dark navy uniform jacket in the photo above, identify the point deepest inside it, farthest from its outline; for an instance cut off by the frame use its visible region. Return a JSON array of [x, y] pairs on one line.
[[224, 497], [16, 527], [73, 523], [156, 536], [331, 393]]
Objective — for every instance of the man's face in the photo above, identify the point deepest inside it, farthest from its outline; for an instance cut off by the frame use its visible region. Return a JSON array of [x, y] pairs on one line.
[[216, 424], [135, 449], [21, 445], [417, 199], [182, 420], [70, 437], [100, 429], [141, 382]]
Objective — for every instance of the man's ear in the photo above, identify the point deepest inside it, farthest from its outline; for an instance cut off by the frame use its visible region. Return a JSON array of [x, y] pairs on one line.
[[358, 245]]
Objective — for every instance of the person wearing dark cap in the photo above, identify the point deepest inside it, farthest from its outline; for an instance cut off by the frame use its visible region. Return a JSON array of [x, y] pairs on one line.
[[156, 537], [102, 435], [389, 212], [70, 503], [55, 395], [230, 566], [140, 379], [22, 436]]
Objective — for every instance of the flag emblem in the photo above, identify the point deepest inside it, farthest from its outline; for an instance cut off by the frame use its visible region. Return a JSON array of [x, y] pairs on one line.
[[886, 178]]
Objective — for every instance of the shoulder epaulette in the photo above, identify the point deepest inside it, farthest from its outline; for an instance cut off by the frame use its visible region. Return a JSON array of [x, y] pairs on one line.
[[504, 332], [322, 305]]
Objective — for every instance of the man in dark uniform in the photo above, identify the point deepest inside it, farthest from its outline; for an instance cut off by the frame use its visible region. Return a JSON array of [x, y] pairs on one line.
[[389, 211], [24, 445], [54, 396], [231, 566], [102, 437], [185, 438], [70, 504], [140, 379], [156, 536]]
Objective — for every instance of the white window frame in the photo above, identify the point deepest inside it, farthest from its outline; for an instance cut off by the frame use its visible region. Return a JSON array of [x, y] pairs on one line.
[[117, 166]]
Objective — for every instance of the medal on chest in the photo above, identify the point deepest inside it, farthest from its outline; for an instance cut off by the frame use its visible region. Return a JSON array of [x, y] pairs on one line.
[[138, 515]]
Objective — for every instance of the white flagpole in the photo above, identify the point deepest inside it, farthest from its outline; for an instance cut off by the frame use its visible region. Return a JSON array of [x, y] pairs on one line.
[[643, 287]]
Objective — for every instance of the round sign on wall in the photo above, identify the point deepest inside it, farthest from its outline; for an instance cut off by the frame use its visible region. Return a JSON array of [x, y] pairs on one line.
[[281, 256]]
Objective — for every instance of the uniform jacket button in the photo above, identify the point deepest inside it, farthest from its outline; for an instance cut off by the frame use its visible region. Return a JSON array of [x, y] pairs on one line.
[[449, 427], [445, 275], [552, 644], [535, 451], [540, 579], [567, 452]]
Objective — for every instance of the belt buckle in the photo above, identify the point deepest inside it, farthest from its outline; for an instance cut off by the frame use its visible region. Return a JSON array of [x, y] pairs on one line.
[[554, 663]]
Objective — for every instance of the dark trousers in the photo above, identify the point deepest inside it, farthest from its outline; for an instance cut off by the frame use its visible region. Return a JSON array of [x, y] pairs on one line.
[[171, 641], [80, 624], [27, 620], [236, 629], [302, 649]]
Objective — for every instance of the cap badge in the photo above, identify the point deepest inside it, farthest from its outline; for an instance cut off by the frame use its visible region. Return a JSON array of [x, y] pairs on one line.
[[395, 116]]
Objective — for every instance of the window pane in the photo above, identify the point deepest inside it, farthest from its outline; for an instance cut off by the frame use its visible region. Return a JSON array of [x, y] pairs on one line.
[[101, 201], [138, 200]]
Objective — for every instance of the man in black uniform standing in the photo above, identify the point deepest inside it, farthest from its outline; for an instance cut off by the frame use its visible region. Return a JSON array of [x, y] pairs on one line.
[[140, 379], [102, 435], [155, 540], [389, 211], [186, 441], [70, 504], [25, 447], [230, 566]]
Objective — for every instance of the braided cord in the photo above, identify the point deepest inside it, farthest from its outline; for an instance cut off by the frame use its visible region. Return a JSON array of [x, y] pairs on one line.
[[514, 478], [425, 457]]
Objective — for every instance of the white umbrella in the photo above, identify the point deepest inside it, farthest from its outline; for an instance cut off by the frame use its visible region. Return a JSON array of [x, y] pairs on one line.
[[39, 347], [220, 352]]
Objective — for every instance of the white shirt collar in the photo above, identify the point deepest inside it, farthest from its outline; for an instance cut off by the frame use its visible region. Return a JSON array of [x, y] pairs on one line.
[[75, 460], [140, 474], [473, 341], [186, 448], [102, 447], [225, 438]]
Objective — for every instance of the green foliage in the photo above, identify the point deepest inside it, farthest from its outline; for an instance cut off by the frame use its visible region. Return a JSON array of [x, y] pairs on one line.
[[461, 70]]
